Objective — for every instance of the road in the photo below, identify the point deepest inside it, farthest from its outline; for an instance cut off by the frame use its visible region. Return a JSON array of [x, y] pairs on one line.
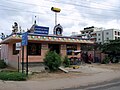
[[111, 85], [83, 82]]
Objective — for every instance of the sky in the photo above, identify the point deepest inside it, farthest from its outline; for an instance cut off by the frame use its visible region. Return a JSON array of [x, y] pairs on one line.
[[75, 15]]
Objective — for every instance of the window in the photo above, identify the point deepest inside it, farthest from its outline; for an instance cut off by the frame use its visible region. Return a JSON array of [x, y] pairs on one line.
[[70, 48], [115, 32], [82, 32], [98, 39], [118, 33], [115, 38], [107, 33], [99, 34], [34, 49], [107, 38], [15, 52]]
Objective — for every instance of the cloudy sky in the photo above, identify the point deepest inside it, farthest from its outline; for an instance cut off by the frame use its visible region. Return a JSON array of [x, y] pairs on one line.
[[74, 16]]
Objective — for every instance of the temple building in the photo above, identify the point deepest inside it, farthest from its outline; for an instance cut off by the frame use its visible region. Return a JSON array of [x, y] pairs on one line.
[[39, 42]]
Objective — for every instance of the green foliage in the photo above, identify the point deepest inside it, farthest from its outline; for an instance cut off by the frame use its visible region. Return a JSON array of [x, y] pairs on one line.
[[2, 64], [12, 76], [106, 60], [52, 60], [111, 47], [66, 61], [115, 59]]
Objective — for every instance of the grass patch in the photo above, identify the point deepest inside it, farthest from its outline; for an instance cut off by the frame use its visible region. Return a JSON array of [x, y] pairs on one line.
[[13, 76]]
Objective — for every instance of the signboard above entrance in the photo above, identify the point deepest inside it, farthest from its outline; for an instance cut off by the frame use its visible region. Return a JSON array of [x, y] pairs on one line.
[[41, 30]]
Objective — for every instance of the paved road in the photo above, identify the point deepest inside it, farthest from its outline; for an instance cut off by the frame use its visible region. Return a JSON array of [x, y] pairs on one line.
[[111, 85], [107, 86], [62, 83]]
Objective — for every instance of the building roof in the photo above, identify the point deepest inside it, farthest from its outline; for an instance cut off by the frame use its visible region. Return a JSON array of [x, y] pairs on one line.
[[92, 29], [44, 38]]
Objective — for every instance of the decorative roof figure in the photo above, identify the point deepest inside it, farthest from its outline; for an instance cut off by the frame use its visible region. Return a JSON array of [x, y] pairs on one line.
[[15, 27]]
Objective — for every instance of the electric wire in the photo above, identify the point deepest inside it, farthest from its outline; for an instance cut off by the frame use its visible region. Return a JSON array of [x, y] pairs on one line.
[[63, 3]]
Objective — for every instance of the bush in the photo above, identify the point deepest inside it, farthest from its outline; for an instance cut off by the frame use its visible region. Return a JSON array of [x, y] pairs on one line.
[[12, 76], [2, 64], [66, 61], [115, 60], [52, 60], [106, 60]]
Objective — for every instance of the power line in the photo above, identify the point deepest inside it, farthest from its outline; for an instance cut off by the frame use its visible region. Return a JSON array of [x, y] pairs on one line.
[[50, 13], [63, 3], [13, 9], [83, 6], [46, 6], [25, 3], [35, 12], [21, 2], [21, 10], [86, 2], [57, 2], [31, 4], [102, 4], [16, 9]]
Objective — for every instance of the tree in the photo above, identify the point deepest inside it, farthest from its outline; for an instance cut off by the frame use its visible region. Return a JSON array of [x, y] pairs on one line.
[[112, 48]]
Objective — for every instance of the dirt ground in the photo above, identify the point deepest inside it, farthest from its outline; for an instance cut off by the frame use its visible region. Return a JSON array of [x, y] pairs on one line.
[[55, 75], [87, 74], [108, 66], [86, 70]]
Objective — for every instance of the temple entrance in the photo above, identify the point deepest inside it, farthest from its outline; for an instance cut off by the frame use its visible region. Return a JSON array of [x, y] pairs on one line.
[[54, 47]]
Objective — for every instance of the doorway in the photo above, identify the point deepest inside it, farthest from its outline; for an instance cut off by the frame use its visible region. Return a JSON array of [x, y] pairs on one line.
[[54, 47]]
